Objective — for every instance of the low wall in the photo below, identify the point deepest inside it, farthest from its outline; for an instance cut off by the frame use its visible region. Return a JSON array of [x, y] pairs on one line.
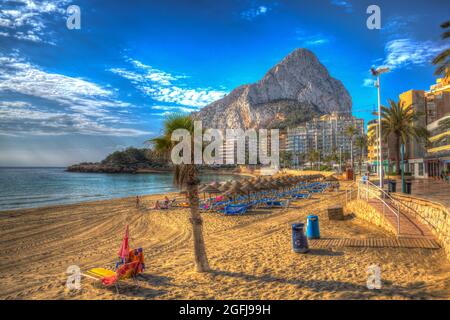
[[365, 211], [433, 214], [307, 172]]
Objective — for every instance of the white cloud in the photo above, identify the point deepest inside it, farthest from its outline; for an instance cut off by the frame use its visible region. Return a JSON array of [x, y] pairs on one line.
[[187, 97], [252, 13], [174, 109], [22, 77], [343, 4], [407, 52], [81, 106], [310, 40], [160, 86], [28, 19], [368, 82]]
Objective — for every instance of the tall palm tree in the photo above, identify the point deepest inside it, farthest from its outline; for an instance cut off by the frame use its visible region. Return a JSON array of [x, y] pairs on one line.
[[400, 121], [442, 59], [351, 132], [361, 142], [185, 176]]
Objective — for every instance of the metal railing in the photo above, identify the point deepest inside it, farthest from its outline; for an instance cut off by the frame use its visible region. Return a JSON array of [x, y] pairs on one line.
[[367, 190]]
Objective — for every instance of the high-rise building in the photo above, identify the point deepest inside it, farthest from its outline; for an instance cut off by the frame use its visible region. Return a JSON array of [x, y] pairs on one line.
[[438, 112], [326, 134], [373, 149], [414, 150], [428, 160]]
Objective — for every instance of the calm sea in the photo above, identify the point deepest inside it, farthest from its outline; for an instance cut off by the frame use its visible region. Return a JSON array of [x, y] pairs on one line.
[[37, 187]]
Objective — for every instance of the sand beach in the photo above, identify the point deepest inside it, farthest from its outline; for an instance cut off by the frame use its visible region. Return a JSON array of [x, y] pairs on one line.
[[250, 255]]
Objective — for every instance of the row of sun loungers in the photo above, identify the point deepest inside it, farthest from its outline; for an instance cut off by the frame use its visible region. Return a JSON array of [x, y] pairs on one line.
[[266, 199]]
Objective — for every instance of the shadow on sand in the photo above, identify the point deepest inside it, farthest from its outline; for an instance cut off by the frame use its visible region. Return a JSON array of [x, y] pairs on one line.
[[144, 289], [324, 252], [347, 290]]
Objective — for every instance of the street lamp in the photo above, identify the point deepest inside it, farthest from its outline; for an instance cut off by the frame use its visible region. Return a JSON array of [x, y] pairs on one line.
[[340, 159], [377, 73]]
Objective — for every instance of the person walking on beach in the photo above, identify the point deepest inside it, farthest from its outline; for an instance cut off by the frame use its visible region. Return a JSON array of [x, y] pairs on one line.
[[365, 178], [138, 202]]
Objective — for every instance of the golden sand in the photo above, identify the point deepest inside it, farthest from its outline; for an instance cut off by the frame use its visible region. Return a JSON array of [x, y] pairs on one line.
[[250, 255]]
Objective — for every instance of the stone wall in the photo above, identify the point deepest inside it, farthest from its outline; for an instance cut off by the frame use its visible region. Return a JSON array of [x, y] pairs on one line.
[[433, 214], [365, 211]]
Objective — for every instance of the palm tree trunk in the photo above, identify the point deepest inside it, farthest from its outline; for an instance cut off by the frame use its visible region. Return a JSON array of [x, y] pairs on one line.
[[351, 151], [397, 154], [201, 259]]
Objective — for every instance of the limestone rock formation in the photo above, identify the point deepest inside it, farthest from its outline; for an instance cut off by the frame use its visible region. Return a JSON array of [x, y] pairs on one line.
[[296, 87]]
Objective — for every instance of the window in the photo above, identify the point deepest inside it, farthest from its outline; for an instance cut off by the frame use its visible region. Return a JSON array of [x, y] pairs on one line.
[[421, 169]]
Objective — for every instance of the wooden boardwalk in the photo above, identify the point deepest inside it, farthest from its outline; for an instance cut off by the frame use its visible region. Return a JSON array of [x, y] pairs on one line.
[[422, 243]]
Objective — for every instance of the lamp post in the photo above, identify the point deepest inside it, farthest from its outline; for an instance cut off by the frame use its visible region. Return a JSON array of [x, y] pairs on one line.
[[340, 159], [377, 73]]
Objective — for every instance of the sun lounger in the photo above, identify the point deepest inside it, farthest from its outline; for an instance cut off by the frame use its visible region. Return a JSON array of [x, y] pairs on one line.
[[133, 266], [301, 196], [235, 210]]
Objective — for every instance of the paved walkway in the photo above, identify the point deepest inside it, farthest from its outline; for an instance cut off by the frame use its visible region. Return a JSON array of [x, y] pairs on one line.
[[409, 227], [433, 190]]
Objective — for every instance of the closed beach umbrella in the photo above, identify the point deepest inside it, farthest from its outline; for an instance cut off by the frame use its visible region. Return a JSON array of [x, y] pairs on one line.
[[225, 186], [209, 189], [215, 184], [234, 191], [124, 246]]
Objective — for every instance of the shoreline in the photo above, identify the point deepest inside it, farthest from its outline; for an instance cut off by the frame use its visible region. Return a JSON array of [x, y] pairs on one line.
[[123, 198]]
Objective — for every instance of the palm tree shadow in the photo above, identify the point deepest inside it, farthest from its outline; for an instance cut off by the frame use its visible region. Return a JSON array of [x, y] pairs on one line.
[[348, 289]]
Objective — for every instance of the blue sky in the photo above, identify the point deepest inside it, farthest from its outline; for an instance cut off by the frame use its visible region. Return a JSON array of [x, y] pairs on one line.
[[76, 95]]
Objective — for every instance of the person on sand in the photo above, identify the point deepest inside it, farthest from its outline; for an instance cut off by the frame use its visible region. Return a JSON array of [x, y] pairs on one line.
[[365, 178], [156, 206], [138, 202], [166, 201]]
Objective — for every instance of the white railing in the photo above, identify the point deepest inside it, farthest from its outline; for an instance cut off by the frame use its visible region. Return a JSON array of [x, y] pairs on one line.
[[367, 190]]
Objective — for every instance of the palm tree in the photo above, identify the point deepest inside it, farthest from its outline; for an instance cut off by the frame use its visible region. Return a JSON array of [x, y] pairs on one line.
[[351, 132], [400, 121], [442, 59], [313, 156], [185, 176], [361, 142]]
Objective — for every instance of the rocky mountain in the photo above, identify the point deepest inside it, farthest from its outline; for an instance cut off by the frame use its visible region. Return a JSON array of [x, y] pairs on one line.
[[297, 87]]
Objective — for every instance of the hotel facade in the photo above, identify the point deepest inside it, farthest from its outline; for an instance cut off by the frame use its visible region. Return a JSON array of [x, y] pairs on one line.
[[422, 159], [326, 134]]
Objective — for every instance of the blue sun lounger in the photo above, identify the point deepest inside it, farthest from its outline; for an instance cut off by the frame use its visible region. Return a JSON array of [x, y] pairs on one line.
[[301, 196], [236, 210]]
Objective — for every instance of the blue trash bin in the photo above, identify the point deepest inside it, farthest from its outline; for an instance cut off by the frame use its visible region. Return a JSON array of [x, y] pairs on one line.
[[312, 227], [299, 241]]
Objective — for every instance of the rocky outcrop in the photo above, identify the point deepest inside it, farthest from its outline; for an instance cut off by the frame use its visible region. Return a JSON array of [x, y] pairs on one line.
[[298, 84]]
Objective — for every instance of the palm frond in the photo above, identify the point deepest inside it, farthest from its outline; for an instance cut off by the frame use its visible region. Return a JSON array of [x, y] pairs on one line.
[[445, 24], [441, 57]]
